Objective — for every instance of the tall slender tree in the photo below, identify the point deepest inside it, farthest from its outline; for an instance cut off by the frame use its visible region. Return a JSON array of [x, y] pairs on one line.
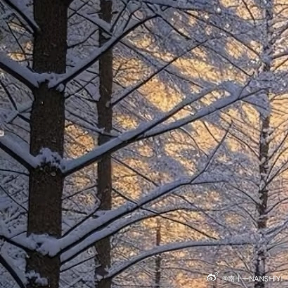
[[264, 156], [105, 117], [158, 257]]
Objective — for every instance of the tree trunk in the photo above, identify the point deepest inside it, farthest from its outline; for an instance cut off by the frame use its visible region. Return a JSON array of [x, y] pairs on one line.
[[47, 124], [104, 168], [264, 158], [158, 257], [260, 266]]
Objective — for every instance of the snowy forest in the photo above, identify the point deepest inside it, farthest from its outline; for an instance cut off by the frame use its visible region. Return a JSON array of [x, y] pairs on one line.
[[143, 143]]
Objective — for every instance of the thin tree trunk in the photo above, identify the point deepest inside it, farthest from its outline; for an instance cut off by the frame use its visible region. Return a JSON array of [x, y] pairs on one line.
[[158, 257], [47, 131], [264, 158], [104, 168], [260, 266]]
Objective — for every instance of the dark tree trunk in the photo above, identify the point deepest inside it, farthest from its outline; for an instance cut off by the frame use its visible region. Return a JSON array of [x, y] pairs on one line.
[[104, 168], [158, 257], [47, 124]]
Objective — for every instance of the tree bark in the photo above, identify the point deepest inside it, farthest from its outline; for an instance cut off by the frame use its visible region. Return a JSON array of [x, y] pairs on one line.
[[47, 125], [158, 259], [260, 266], [104, 168], [264, 158]]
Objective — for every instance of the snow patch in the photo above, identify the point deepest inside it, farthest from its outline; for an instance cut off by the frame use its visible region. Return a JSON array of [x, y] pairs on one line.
[[53, 158], [37, 278], [50, 246]]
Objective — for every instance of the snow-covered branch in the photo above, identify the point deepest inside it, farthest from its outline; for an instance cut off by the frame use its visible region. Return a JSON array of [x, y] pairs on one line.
[[20, 154], [108, 224], [97, 229], [19, 241], [12, 271], [130, 136], [194, 5], [152, 128], [210, 109], [122, 95], [237, 241], [21, 10], [18, 71], [114, 228], [87, 63], [21, 108]]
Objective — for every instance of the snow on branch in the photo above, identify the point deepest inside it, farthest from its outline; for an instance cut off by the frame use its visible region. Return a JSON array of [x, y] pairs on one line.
[[235, 95], [99, 52], [19, 240], [20, 154], [182, 5], [21, 10], [120, 224], [150, 129], [22, 108], [114, 228], [18, 71], [12, 270], [237, 241], [128, 137], [122, 95], [86, 234]]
